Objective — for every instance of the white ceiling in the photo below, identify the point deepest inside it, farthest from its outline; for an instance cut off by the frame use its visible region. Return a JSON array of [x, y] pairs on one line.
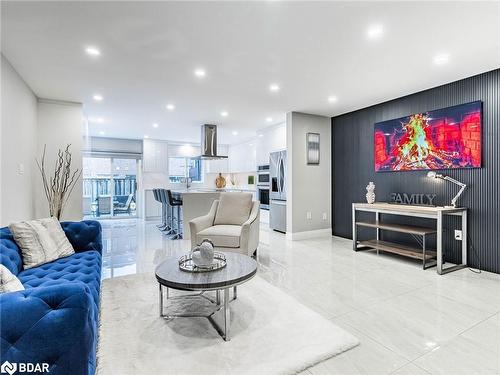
[[149, 51]]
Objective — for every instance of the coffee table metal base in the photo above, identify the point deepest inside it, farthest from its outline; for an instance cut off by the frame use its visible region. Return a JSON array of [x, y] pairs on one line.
[[223, 329]]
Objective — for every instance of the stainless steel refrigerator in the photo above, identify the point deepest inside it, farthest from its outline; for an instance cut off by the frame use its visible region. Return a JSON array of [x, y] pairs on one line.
[[277, 191]]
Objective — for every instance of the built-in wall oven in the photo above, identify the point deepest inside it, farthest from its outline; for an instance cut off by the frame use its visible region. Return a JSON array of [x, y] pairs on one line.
[[263, 181], [264, 197], [263, 175]]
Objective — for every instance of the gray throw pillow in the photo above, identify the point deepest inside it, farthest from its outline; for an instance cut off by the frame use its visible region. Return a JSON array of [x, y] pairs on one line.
[[41, 241], [8, 281], [233, 209]]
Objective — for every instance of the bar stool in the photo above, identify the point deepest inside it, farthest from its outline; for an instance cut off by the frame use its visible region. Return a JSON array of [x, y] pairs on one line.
[[176, 205], [156, 195], [169, 229], [165, 225]]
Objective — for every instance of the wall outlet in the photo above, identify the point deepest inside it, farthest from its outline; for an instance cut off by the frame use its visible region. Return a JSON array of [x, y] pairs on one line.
[[458, 235], [325, 216], [309, 215], [20, 168]]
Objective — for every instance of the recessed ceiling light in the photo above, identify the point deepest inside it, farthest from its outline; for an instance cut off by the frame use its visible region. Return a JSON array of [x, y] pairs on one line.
[[269, 119], [250, 144], [170, 107], [375, 31], [98, 97], [441, 59], [235, 132], [224, 114], [261, 135], [200, 73], [155, 125], [92, 51], [332, 99], [102, 132], [146, 136], [274, 87]]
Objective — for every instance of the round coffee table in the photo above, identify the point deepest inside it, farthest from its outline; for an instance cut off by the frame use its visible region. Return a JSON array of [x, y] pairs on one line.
[[239, 269]]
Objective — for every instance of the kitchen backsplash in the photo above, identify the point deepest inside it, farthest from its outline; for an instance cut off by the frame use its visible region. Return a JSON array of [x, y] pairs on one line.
[[240, 180], [154, 180]]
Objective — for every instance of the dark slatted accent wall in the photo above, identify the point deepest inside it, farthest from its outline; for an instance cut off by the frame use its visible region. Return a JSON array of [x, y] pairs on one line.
[[353, 167]]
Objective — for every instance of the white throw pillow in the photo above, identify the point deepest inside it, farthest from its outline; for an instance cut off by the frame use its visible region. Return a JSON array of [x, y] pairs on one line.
[[233, 209], [41, 241], [8, 281]]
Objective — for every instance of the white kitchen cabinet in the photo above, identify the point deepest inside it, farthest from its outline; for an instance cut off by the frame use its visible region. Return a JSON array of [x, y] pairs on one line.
[[251, 159], [152, 208], [262, 152], [235, 158], [155, 156], [218, 165], [242, 157], [272, 139]]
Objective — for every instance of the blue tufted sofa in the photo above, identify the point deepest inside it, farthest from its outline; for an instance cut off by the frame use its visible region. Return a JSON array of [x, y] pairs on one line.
[[55, 320]]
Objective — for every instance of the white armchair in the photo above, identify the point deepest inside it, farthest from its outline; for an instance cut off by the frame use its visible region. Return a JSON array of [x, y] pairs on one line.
[[232, 224]]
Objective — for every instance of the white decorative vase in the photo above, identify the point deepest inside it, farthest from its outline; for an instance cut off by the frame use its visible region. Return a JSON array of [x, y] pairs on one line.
[[370, 195], [203, 255]]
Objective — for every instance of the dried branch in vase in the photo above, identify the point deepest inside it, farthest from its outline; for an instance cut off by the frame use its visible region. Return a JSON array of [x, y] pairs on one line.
[[58, 186]]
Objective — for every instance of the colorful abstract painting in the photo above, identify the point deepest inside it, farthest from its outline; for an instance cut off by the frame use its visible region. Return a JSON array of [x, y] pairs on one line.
[[442, 139]]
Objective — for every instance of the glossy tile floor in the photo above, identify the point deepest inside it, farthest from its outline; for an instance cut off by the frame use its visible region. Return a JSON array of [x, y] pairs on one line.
[[409, 321]]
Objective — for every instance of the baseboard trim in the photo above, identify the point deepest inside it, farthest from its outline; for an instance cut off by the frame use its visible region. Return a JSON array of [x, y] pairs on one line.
[[318, 233]]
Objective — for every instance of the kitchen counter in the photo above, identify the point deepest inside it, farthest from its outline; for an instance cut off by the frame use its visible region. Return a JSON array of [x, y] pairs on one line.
[[194, 189], [212, 190]]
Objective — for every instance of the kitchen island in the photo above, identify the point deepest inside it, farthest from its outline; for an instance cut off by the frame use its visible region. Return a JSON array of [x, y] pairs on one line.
[[195, 203]]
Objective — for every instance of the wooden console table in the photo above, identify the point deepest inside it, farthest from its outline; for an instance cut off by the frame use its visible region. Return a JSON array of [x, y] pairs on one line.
[[429, 212]]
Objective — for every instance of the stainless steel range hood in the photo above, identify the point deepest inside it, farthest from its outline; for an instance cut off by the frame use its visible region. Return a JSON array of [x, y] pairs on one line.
[[209, 142]]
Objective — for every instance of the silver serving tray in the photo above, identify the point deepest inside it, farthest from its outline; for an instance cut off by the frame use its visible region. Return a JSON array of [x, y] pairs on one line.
[[186, 263]]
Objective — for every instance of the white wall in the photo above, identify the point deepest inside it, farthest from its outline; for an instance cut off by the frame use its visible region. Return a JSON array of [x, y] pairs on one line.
[[309, 186], [18, 147], [60, 123]]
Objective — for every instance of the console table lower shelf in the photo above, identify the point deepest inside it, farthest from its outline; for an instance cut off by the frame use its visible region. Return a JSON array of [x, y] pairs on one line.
[[403, 250]]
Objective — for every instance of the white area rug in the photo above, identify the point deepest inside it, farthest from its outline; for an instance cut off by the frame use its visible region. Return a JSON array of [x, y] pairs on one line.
[[271, 333]]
